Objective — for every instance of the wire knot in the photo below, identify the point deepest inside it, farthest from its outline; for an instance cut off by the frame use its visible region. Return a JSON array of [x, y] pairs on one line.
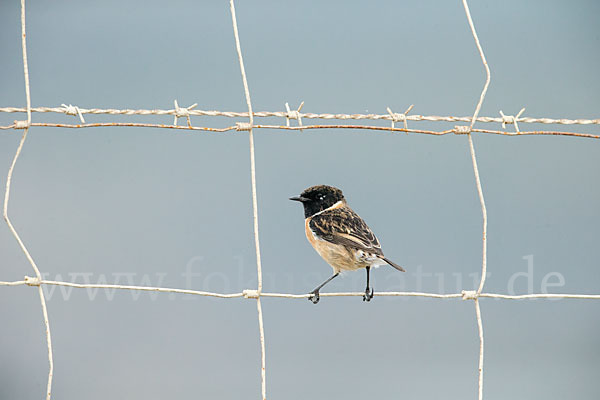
[[511, 119], [243, 126], [181, 112], [462, 130], [250, 294], [21, 124], [73, 110], [396, 117], [293, 114], [470, 295], [33, 281]]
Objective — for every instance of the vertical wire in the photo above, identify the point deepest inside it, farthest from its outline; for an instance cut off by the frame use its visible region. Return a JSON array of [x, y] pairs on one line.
[[254, 199]]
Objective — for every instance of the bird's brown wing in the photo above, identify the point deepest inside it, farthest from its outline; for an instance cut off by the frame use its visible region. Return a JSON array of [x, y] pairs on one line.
[[345, 227]]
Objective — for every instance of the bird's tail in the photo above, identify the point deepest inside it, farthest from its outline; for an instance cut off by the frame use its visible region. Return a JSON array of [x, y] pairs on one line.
[[393, 264]]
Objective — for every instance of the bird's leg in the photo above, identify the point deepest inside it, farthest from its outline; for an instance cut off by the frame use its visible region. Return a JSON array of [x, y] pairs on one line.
[[314, 295], [368, 291]]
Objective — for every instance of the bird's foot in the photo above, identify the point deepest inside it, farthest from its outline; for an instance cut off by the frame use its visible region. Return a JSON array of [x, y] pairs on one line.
[[368, 294], [314, 296]]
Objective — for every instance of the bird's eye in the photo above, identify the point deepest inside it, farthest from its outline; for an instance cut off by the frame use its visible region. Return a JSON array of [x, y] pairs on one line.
[[321, 197]]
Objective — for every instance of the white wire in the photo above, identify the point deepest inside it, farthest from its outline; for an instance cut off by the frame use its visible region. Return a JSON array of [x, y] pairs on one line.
[[328, 116], [18, 152], [254, 201], [248, 292], [7, 198], [481, 197]]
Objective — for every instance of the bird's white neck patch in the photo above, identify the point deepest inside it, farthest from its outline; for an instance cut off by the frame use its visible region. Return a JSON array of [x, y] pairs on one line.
[[333, 207]]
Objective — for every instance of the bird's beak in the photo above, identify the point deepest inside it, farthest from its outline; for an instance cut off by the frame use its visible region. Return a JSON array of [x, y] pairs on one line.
[[299, 198]]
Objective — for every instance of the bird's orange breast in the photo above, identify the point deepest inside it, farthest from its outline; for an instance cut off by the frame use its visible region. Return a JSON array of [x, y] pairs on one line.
[[337, 256], [309, 235]]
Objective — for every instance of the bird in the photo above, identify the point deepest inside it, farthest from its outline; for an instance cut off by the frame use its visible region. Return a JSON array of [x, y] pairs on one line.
[[339, 235]]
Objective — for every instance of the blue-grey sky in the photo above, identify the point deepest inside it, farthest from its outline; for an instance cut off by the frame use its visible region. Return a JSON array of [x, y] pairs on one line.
[[170, 208]]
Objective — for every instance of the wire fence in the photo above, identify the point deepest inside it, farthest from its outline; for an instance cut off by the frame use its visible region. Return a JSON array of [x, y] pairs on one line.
[[256, 294], [288, 115]]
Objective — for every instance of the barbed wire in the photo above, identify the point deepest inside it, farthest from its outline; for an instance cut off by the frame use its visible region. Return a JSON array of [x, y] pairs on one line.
[[506, 119], [295, 114]]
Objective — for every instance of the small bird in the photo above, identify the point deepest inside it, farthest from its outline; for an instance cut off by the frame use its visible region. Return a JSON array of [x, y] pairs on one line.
[[339, 235]]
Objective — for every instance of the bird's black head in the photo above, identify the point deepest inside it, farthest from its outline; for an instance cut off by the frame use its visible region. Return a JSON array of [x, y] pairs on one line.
[[318, 198]]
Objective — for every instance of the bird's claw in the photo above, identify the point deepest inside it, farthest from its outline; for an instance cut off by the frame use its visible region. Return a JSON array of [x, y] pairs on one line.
[[314, 296], [368, 294]]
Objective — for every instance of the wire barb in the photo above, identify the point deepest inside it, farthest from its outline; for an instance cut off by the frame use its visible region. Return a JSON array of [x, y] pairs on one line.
[[399, 117], [293, 114], [511, 119], [181, 112], [73, 110]]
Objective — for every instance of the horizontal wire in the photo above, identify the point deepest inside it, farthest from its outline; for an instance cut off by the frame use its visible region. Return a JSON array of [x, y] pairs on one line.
[[303, 127], [251, 293], [285, 114]]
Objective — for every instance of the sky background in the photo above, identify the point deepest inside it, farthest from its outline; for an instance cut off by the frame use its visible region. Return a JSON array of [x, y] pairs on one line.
[[142, 206]]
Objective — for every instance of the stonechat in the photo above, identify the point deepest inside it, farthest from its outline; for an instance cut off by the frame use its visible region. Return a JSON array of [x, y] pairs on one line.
[[339, 235]]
